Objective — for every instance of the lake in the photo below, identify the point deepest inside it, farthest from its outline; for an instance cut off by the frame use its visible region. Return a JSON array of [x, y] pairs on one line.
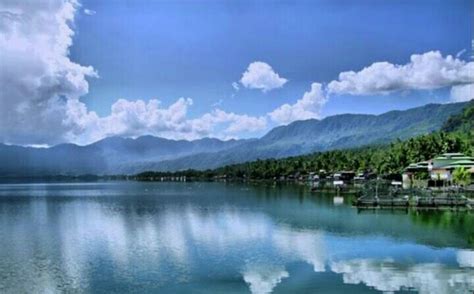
[[223, 238]]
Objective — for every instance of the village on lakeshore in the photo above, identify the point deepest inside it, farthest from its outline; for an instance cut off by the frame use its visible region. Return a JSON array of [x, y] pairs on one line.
[[441, 182], [443, 171], [445, 181]]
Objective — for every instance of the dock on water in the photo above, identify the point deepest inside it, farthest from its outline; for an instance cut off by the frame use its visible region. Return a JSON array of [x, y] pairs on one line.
[[376, 201], [434, 202]]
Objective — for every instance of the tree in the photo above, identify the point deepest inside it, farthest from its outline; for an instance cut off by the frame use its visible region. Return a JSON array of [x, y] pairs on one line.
[[461, 176]]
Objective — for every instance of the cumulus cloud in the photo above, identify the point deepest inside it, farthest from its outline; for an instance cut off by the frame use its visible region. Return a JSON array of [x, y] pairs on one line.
[[235, 122], [309, 106], [136, 118], [38, 80], [424, 72], [260, 75], [462, 93]]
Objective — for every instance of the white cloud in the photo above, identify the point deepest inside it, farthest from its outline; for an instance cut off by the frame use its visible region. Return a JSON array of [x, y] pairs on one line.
[[89, 11], [309, 106], [38, 80], [424, 72], [260, 75], [462, 93], [136, 118], [235, 122]]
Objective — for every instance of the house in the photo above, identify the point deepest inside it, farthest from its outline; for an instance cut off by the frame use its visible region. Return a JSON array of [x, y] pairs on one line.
[[438, 169], [313, 176], [344, 175], [443, 166], [362, 176], [414, 171]]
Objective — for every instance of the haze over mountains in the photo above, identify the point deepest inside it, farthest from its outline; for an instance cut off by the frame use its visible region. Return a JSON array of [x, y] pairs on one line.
[[117, 155]]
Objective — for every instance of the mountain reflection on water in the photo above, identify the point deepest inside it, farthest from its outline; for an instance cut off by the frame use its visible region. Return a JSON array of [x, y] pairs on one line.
[[215, 237]]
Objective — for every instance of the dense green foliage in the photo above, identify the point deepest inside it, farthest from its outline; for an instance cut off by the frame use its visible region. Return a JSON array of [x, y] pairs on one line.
[[382, 159], [462, 122], [461, 176]]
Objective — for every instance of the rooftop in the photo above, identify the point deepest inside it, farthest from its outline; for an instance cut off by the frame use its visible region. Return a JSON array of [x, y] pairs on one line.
[[444, 161]]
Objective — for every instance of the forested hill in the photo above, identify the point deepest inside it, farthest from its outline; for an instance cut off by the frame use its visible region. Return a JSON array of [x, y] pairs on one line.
[[383, 159], [334, 132], [463, 121]]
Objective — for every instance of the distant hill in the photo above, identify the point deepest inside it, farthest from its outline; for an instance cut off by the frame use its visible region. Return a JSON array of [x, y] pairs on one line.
[[122, 155], [334, 132], [108, 156]]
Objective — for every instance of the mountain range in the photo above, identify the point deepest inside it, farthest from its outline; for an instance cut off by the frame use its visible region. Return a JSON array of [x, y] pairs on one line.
[[116, 155]]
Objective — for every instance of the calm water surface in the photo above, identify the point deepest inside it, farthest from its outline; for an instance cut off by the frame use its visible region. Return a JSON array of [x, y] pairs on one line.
[[222, 238]]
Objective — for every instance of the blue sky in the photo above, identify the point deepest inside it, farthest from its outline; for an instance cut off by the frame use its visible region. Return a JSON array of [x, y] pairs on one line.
[[196, 49], [79, 70]]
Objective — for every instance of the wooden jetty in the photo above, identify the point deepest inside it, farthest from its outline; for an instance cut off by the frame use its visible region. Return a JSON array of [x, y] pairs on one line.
[[433, 202], [374, 202], [442, 201]]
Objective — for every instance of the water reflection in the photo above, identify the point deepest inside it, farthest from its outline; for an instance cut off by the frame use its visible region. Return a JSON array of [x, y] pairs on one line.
[[264, 278], [156, 242], [465, 258], [388, 276], [305, 246]]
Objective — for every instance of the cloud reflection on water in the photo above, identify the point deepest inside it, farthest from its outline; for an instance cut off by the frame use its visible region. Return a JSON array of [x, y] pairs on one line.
[[388, 276], [175, 244], [465, 258], [263, 279]]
